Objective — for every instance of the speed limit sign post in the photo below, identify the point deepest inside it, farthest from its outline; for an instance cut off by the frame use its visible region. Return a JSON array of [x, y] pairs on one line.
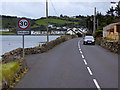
[[23, 28]]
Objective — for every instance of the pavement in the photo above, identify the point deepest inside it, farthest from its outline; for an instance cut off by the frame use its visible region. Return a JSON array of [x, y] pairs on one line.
[[72, 65]]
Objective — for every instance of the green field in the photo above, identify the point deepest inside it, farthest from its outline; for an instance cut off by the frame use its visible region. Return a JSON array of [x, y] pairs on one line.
[[52, 21]]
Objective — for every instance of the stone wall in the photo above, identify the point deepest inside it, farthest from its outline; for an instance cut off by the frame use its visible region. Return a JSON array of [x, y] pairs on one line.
[[113, 46], [16, 55]]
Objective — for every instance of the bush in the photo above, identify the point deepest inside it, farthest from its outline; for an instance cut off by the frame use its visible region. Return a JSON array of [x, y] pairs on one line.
[[79, 34], [99, 33], [9, 71]]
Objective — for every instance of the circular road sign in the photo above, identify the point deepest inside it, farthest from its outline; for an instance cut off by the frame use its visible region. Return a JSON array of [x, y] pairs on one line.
[[23, 23]]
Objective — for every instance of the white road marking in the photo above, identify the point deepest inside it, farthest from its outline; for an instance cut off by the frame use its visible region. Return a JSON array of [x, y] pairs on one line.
[[78, 44], [89, 70], [80, 51], [83, 56], [96, 83], [85, 61]]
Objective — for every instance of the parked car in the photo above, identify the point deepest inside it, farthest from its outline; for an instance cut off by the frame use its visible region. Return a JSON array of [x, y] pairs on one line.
[[88, 40]]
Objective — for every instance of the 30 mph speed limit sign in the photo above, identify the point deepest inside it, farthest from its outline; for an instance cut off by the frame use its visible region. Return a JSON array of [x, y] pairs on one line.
[[23, 23], [23, 26]]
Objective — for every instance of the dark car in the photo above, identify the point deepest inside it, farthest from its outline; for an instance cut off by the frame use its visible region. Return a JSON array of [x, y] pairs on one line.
[[89, 40]]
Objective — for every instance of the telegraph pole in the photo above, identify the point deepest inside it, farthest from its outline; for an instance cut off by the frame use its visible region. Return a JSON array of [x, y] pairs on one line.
[[47, 20], [97, 24], [94, 29]]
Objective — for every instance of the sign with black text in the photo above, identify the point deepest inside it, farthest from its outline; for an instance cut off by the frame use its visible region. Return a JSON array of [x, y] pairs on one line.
[[23, 26]]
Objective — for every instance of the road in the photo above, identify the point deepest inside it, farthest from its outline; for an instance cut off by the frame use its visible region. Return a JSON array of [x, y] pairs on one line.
[[72, 65]]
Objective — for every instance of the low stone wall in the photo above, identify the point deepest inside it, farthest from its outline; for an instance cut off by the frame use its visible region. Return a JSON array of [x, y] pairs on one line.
[[113, 46], [16, 55]]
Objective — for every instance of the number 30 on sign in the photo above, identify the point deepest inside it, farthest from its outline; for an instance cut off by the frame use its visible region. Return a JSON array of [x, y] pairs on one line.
[[23, 23]]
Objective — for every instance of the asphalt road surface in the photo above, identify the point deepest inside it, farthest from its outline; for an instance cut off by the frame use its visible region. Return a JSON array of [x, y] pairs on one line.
[[72, 65]]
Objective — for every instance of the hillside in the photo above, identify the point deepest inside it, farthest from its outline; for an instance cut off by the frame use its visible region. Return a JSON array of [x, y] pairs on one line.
[[40, 24]]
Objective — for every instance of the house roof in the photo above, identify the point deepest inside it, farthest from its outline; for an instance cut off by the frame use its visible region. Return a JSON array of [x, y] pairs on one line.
[[110, 26]]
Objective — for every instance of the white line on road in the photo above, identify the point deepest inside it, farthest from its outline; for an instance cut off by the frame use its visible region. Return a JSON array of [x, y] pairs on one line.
[[96, 83], [80, 51], [83, 56], [85, 61], [78, 44], [89, 70]]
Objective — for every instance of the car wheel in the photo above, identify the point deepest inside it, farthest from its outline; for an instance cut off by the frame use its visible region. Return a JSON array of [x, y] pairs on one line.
[[83, 43]]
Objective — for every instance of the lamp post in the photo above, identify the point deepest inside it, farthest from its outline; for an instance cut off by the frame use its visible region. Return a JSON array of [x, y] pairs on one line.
[[47, 20]]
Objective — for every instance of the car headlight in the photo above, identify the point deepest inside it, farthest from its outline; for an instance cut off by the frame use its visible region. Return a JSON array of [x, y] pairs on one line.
[[85, 40], [93, 40]]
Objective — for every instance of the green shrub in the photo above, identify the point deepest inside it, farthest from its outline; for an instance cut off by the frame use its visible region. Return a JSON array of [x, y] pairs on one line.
[[9, 71], [79, 34], [99, 33]]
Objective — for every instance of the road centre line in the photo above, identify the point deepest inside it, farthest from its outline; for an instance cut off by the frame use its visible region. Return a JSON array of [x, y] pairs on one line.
[[81, 52], [96, 83], [89, 70], [83, 56], [85, 61]]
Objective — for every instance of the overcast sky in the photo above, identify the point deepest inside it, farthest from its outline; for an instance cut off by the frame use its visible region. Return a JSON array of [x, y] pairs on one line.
[[36, 8]]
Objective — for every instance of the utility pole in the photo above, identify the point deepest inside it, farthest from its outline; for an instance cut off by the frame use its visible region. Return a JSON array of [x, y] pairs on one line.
[[97, 24], [47, 20], [94, 27]]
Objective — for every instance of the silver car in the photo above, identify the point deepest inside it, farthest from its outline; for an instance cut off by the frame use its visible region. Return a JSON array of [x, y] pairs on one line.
[[89, 40]]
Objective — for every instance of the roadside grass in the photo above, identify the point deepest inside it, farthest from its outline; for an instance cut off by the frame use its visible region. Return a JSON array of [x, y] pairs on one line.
[[9, 71], [6, 33]]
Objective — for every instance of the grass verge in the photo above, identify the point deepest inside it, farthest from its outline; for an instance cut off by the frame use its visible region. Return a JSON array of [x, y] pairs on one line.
[[9, 71], [6, 33]]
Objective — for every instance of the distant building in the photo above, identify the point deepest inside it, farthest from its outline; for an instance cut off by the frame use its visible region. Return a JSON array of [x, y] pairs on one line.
[[50, 26], [112, 31], [58, 28], [4, 30]]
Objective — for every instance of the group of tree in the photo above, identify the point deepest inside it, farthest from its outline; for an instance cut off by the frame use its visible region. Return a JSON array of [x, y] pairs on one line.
[[112, 16]]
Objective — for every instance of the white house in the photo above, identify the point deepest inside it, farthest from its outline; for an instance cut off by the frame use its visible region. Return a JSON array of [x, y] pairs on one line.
[[4, 29]]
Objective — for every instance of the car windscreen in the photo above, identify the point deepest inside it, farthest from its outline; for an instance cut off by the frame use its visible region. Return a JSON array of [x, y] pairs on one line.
[[89, 37]]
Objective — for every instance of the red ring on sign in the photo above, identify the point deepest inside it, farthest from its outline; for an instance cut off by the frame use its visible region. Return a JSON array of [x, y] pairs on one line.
[[27, 21]]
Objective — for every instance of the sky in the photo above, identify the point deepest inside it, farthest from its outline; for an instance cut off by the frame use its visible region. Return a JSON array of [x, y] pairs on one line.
[[36, 8]]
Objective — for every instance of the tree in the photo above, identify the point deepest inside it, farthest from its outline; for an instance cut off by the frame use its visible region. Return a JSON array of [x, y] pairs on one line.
[[111, 11], [117, 11], [61, 15]]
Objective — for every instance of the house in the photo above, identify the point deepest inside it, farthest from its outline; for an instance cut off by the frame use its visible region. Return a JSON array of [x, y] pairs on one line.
[[7, 30], [112, 31]]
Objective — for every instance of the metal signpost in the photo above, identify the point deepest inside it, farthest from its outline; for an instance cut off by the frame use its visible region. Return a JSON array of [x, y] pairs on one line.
[[23, 28]]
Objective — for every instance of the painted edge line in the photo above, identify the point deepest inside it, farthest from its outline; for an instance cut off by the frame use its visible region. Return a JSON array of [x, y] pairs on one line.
[[89, 70], [96, 83]]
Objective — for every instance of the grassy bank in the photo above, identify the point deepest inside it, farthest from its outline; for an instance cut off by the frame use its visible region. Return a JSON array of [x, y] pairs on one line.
[[9, 71], [6, 33]]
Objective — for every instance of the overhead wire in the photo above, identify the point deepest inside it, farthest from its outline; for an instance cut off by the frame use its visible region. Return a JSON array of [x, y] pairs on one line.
[[54, 8]]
